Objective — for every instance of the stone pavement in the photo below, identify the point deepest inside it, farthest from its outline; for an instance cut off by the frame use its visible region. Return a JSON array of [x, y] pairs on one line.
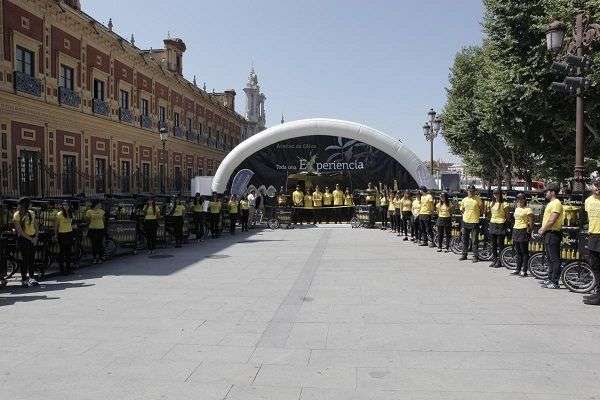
[[312, 314]]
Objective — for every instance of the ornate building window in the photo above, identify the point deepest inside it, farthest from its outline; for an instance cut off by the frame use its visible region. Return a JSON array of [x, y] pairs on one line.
[[98, 89], [24, 61], [145, 107], [66, 77], [124, 100], [162, 114]]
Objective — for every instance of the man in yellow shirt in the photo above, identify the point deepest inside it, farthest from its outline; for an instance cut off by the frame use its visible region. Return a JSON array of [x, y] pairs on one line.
[[298, 200], [592, 208], [472, 208], [425, 217], [406, 213], [338, 201], [551, 230], [317, 204], [327, 202]]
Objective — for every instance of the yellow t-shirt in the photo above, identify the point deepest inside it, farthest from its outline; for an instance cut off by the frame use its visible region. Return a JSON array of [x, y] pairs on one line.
[[95, 216], [555, 206], [64, 223], [298, 198], [383, 201], [471, 209], [348, 200], [327, 199], [521, 216], [499, 213], [308, 201], [149, 212], [338, 198], [233, 207], [392, 204], [28, 224], [592, 207], [179, 210], [197, 208], [443, 210], [317, 199], [215, 207], [244, 205], [406, 204], [416, 207], [426, 205]]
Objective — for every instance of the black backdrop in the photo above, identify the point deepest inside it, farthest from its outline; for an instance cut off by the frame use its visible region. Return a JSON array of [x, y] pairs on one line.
[[348, 161]]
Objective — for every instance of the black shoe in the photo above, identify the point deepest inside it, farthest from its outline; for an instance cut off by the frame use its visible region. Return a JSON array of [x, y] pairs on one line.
[[439, 250], [405, 239], [423, 245], [475, 260], [592, 301], [515, 272], [462, 258], [592, 297]]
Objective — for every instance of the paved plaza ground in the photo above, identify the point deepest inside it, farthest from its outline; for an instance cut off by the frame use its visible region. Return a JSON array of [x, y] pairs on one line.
[[312, 314]]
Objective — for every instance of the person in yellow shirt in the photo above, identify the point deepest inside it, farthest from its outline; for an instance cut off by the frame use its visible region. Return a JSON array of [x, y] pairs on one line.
[[63, 228], [499, 213], [425, 212], [198, 216], [151, 214], [298, 201], [472, 208], [405, 213], [233, 213], [177, 214], [338, 201], [95, 218], [317, 197], [391, 210], [26, 228], [521, 234], [308, 207], [415, 226], [281, 198], [444, 222], [551, 230], [215, 214], [244, 213], [592, 208], [397, 200], [327, 202], [383, 209]]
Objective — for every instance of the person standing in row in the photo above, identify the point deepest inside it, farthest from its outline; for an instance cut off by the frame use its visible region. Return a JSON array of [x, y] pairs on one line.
[[416, 224], [233, 213], [383, 209], [215, 213], [252, 204], [63, 230], [27, 231], [405, 213], [327, 202], [298, 201], [95, 219], [444, 222], [151, 214], [425, 216], [551, 230], [317, 197], [592, 207], [398, 212], [177, 213], [338, 201], [497, 228], [391, 211], [198, 216], [472, 208], [244, 206], [521, 234]]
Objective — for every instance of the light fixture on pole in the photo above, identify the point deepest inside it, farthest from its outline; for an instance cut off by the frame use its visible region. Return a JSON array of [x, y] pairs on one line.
[[431, 129], [164, 135]]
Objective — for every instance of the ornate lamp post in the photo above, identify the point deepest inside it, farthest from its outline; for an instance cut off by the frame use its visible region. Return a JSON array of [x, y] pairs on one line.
[[164, 135], [575, 63], [431, 129]]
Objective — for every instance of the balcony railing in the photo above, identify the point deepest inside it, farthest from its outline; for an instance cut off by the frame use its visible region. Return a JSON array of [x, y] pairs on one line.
[[100, 107], [145, 121], [162, 125], [191, 135], [27, 84], [177, 131], [68, 97], [125, 115]]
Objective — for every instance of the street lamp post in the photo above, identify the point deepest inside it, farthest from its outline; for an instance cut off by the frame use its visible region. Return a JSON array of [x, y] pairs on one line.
[[164, 134], [575, 64], [431, 129]]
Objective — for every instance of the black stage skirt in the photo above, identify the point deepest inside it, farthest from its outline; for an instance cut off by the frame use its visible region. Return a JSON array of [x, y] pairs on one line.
[[497, 229]]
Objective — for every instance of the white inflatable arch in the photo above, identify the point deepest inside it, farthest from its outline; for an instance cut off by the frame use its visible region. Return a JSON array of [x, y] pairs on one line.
[[328, 127]]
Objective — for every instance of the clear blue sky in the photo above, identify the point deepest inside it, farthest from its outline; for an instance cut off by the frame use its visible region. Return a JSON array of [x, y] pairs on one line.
[[380, 63]]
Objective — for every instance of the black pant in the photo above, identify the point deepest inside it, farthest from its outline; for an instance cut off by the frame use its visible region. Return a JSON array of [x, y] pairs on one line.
[[470, 236], [198, 220], [397, 220], [552, 241], [96, 237], [65, 244], [384, 217], [150, 228], [415, 228], [497, 244], [521, 255], [444, 228], [426, 228], [214, 224], [406, 216], [178, 230], [594, 256], [27, 258], [244, 219], [232, 221]]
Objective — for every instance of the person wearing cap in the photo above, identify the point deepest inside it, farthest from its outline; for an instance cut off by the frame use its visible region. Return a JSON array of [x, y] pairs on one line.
[[26, 228], [471, 207], [497, 227], [444, 222], [551, 230], [425, 212], [298, 201], [327, 202], [592, 208], [317, 197], [405, 213], [415, 223], [521, 234]]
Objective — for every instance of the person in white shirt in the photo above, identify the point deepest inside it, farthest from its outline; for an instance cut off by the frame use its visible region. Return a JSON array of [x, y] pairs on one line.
[[252, 204]]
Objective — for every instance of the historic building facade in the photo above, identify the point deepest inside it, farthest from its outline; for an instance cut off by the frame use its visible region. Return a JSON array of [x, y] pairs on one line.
[[84, 110], [255, 106]]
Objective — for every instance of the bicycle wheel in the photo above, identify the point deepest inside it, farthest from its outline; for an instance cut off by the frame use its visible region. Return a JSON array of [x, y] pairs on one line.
[[110, 248], [273, 223], [538, 266], [578, 277], [484, 251], [355, 222], [456, 245], [508, 258]]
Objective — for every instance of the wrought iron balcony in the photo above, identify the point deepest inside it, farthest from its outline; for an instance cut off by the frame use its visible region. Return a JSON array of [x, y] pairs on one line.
[[191, 135], [177, 131], [125, 115], [68, 97], [27, 84], [162, 125], [100, 107], [145, 121]]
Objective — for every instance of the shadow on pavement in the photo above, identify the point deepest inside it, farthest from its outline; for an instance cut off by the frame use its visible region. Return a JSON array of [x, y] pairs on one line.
[[9, 301]]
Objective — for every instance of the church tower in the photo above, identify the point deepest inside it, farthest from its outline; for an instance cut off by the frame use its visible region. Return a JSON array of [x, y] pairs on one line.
[[255, 105]]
